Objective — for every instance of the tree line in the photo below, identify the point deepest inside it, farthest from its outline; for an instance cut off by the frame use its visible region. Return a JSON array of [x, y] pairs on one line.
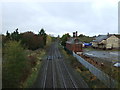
[[16, 64], [28, 39]]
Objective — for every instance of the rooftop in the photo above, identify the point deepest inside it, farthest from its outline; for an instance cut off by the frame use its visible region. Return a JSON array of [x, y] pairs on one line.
[[73, 41], [104, 37]]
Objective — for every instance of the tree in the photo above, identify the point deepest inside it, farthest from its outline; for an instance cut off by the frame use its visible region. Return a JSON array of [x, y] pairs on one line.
[[7, 35], [81, 35], [14, 65], [43, 35], [26, 39], [32, 41], [64, 39], [42, 32], [15, 35], [84, 38]]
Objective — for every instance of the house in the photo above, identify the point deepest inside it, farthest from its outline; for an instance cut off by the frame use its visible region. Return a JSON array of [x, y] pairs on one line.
[[73, 43], [108, 41]]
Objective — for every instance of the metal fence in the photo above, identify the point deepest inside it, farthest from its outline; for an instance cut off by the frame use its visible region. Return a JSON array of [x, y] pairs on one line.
[[108, 81]]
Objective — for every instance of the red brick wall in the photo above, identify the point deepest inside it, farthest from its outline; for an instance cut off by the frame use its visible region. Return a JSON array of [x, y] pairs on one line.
[[74, 47]]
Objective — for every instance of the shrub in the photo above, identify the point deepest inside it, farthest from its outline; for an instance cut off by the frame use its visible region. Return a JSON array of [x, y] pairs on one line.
[[15, 65]]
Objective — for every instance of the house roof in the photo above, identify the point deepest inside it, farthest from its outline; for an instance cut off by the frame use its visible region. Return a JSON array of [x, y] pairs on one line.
[[73, 41], [100, 38], [104, 37]]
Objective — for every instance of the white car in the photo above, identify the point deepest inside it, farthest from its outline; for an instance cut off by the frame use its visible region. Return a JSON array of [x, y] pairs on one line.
[[117, 64]]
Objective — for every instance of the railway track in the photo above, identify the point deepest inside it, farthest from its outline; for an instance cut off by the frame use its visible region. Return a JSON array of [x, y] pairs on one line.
[[55, 73], [48, 81], [73, 83], [60, 71]]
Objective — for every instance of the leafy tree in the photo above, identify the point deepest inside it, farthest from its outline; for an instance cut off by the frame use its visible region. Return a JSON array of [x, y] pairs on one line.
[[15, 65], [43, 35], [15, 35], [32, 41], [64, 39], [26, 39], [85, 39], [8, 35], [42, 32], [81, 35]]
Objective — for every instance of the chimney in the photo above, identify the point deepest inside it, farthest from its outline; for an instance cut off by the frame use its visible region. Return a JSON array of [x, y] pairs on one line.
[[74, 34]]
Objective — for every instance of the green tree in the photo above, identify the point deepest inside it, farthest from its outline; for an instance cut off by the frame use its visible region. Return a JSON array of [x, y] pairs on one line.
[[14, 66], [32, 41], [84, 38], [15, 35], [7, 35], [42, 32], [64, 39], [43, 35]]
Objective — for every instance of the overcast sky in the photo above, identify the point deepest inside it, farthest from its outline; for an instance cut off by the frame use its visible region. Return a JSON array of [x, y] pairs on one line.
[[92, 17]]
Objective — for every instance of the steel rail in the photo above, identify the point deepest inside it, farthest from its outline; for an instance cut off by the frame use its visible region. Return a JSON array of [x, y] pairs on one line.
[[44, 82], [53, 70], [71, 78], [58, 66], [45, 73]]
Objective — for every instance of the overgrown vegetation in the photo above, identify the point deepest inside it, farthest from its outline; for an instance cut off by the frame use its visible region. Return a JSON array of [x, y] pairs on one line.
[[36, 56], [22, 55], [15, 65], [90, 79]]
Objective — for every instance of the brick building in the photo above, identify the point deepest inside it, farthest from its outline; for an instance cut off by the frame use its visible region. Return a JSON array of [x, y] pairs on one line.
[[73, 43]]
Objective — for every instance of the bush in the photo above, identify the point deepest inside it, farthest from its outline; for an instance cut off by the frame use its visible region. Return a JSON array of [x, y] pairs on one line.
[[32, 41], [15, 65], [32, 60]]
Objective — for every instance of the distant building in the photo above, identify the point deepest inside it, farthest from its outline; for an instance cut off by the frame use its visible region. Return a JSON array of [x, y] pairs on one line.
[[109, 41], [73, 43]]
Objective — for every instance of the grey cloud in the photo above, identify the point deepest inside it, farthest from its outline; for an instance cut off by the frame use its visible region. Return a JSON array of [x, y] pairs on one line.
[[59, 18]]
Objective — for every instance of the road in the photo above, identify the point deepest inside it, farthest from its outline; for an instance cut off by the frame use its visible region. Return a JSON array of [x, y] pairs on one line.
[[55, 73]]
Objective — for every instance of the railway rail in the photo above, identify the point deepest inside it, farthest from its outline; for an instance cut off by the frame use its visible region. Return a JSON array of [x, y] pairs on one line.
[[56, 73]]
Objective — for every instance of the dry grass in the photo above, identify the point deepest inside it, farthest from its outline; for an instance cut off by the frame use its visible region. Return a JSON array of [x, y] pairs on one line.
[[38, 54], [107, 68], [90, 79]]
